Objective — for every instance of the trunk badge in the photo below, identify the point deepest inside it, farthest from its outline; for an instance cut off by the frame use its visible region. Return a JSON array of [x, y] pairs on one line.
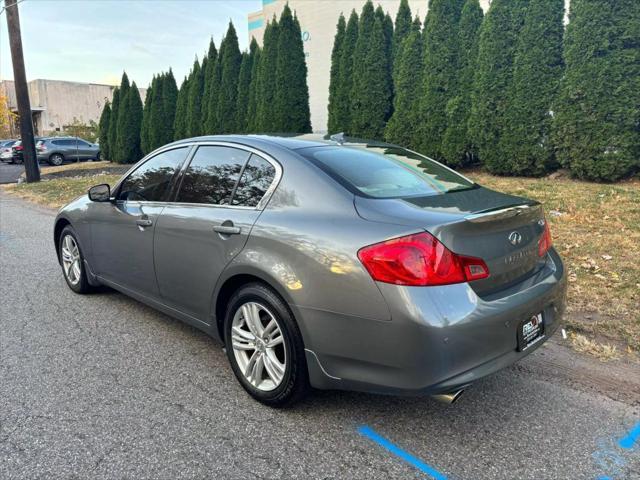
[[515, 238]]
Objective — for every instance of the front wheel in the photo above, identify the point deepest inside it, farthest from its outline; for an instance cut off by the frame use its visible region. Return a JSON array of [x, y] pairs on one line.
[[265, 347], [56, 159], [72, 261]]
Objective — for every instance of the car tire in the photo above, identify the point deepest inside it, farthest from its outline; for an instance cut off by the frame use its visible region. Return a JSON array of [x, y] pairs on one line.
[[56, 159], [285, 361], [98, 157], [70, 254]]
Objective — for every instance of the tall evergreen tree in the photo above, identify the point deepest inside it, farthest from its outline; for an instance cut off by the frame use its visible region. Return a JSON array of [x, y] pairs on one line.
[[498, 39], [119, 151], [156, 127], [342, 110], [252, 105], [194, 101], [404, 121], [265, 111], [537, 70], [402, 28], [180, 121], [209, 75], [440, 72], [145, 143], [169, 101], [212, 123], [371, 90], [334, 75], [457, 148], [113, 122], [597, 124], [129, 135], [230, 59], [244, 85], [103, 131], [292, 93]]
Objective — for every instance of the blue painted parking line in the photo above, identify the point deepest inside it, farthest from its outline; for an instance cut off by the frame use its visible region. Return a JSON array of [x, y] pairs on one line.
[[407, 457], [632, 437]]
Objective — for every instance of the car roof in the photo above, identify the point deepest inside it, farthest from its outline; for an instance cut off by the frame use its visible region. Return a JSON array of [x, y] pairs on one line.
[[290, 142]]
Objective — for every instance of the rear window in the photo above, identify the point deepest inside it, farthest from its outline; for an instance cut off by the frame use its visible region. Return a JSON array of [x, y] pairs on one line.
[[385, 172]]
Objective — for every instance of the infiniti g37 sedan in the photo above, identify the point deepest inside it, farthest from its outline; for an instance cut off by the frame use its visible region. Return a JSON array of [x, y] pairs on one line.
[[332, 264]]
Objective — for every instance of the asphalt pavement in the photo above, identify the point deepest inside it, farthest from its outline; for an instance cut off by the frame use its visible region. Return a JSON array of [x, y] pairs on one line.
[[101, 386], [9, 173]]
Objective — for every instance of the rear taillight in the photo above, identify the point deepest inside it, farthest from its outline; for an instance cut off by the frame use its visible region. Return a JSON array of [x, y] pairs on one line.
[[419, 260], [544, 244]]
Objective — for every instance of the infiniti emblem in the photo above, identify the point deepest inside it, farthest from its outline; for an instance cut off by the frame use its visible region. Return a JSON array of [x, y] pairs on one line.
[[515, 238]]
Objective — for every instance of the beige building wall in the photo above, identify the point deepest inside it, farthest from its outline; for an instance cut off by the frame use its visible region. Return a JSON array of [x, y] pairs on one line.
[[57, 103], [318, 19]]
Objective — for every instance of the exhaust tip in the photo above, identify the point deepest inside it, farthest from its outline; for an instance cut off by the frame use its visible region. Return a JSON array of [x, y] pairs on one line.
[[449, 398]]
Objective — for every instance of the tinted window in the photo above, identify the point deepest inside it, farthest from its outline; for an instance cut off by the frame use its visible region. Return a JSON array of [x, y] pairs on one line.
[[385, 172], [151, 180], [82, 143], [64, 143], [254, 183], [212, 174]]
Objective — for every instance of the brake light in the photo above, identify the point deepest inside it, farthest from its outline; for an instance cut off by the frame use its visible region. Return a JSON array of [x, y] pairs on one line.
[[419, 260], [544, 244]]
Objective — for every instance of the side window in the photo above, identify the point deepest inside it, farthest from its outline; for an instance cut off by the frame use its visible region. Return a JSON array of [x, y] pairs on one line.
[[212, 174], [256, 179], [82, 143], [151, 181]]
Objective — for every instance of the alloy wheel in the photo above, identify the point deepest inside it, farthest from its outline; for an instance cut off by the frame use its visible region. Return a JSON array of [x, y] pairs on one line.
[[258, 346], [71, 260]]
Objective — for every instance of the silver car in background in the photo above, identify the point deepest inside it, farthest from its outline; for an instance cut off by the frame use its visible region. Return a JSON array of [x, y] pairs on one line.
[[334, 264], [57, 150]]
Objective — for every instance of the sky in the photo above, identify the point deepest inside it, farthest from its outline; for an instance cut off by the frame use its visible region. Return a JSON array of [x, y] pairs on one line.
[[95, 40]]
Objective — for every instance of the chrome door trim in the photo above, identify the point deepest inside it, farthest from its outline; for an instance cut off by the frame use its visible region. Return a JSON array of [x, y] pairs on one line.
[[502, 213]]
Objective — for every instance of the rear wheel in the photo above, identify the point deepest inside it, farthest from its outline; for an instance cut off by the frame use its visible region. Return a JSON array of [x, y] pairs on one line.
[[72, 261], [56, 159], [265, 347]]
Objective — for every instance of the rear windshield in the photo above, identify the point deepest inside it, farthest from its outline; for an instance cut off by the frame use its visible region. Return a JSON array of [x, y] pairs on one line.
[[385, 172]]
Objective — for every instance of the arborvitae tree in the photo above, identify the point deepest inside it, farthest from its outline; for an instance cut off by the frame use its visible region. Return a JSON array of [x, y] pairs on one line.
[[212, 122], [194, 101], [265, 112], [334, 76], [103, 131], [401, 30], [440, 72], [119, 151], [498, 38], [404, 121], [244, 85], [228, 94], [252, 105], [145, 143], [180, 121], [130, 134], [113, 123], [457, 148], [169, 101], [597, 123], [371, 90], [537, 70], [292, 93], [342, 110], [208, 71], [156, 135]]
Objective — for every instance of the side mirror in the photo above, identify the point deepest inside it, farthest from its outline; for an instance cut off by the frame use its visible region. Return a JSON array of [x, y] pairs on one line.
[[100, 193]]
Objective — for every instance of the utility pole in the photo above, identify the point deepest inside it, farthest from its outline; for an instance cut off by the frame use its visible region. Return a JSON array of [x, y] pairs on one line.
[[31, 166]]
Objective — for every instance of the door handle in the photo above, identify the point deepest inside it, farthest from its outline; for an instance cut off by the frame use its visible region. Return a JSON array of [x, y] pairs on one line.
[[144, 222], [227, 229]]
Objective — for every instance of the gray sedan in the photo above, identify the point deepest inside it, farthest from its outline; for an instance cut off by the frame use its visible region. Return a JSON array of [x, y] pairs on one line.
[[332, 264]]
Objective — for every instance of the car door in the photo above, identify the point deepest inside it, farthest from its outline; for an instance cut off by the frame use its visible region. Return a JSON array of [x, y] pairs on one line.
[[122, 230], [69, 148], [206, 225], [85, 151]]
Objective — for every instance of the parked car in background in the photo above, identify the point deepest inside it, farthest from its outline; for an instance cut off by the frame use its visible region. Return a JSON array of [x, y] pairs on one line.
[[337, 264], [55, 150], [17, 148], [5, 150]]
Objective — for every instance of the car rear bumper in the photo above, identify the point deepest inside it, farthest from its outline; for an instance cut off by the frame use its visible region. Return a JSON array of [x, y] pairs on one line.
[[439, 339]]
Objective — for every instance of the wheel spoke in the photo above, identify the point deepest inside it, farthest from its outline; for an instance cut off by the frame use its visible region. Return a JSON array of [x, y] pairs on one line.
[[66, 255], [276, 339], [274, 369], [76, 269], [242, 340], [252, 318], [249, 368], [256, 372]]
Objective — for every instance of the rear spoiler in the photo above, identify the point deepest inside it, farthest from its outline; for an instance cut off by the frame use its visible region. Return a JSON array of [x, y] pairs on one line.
[[503, 213]]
